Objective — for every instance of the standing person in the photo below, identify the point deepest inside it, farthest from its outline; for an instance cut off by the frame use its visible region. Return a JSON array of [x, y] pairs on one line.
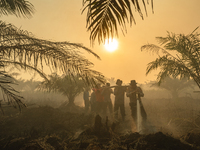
[[119, 92], [99, 99], [93, 101], [106, 92], [86, 99], [134, 92]]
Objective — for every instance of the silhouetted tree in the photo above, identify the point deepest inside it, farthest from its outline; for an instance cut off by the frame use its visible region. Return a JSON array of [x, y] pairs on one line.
[[180, 56], [175, 86], [27, 85], [70, 87]]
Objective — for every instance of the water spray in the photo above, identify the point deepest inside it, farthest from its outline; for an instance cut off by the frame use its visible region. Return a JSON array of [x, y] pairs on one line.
[[139, 116]]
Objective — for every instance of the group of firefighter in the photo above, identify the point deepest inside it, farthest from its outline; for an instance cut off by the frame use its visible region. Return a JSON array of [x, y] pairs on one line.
[[100, 100]]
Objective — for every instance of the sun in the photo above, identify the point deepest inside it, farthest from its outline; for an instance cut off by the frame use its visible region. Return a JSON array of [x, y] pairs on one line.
[[111, 44]]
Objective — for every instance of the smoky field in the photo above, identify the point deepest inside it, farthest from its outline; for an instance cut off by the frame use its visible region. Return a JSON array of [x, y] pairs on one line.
[[171, 125]]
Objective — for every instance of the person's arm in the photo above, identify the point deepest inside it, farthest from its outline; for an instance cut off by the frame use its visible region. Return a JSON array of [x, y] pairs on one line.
[[115, 91], [140, 92], [130, 91], [111, 91]]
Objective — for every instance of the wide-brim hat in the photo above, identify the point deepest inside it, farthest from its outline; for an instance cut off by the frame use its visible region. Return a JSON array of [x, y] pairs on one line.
[[133, 82], [118, 81]]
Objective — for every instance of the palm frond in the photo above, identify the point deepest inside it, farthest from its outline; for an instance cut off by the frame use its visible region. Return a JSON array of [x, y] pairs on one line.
[[23, 66], [21, 47], [16, 7], [153, 49], [9, 94], [159, 62], [104, 16]]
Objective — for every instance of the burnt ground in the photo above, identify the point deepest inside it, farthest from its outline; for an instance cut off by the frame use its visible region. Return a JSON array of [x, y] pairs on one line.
[[47, 128]]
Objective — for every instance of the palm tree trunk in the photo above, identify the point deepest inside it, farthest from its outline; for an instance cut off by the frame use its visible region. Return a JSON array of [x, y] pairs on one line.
[[174, 94], [71, 101]]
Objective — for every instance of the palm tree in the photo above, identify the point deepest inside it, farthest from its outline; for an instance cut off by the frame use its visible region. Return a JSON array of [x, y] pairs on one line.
[[112, 81], [22, 50], [175, 86], [23, 85], [64, 85], [104, 16], [180, 56]]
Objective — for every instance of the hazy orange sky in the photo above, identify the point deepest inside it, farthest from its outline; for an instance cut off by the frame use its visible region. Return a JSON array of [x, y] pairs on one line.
[[61, 20]]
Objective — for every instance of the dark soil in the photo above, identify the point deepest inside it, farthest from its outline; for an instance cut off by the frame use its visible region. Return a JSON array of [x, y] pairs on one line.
[[46, 128]]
